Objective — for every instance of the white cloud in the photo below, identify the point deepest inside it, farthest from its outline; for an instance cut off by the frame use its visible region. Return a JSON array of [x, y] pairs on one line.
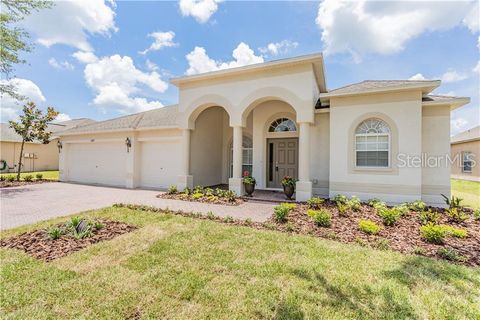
[[70, 23], [151, 65], [200, 62], [384, 27], [85, 56], [276, 48], [417, 76], [453, 76], [60, 65], [472, 20], [115, 80], [476, 69], [161, 40], [10, 106], [62, 117], [201, 10], [458, 124]]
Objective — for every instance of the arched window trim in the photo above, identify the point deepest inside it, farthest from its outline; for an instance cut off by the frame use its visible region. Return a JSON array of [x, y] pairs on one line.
[[284, 123], [372, 138], [247, 156]]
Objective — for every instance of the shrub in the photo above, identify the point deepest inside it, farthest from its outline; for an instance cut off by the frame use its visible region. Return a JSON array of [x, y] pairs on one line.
[[3, 178], [417, 206], [373, 202], [354, 203], [429, 217], [476, 214], [433, 233], [322, 217], [450, 254], [288, 181], [389, 216], [419, 250], [361, 242], [98, 225], [315, 202], [402, 209], [340, 198], [456, 215], [281, 211], [210, 215], [248, 222], [197, 195], [454, 202], [10, 178], [74, 222], [220, 192], [39, 176], [289, 227], [369, 227], [172, 189], [230, 195], [28, 177], [187, 191], [54, 233], [380, 206], [455, 232], [198, 189], [342, 209], [228, 219], [248, 179], [209, 192], [212, 198]]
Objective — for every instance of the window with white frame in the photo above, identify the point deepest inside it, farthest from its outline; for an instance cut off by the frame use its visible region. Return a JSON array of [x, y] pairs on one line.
[[372, 144], [467, 161], [247, 156]]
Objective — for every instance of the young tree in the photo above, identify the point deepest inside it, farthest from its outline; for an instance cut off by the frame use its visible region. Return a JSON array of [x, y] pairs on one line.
[[32, 126], [13, 39]]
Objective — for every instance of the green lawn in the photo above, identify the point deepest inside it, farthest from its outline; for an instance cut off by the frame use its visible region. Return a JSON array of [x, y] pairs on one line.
[[50, 175], [469, 191], [183, 268]]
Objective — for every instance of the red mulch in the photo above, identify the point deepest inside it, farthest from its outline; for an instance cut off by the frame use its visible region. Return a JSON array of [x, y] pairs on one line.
[[7, 184], [403, 236], [39, 245], [183, 197]]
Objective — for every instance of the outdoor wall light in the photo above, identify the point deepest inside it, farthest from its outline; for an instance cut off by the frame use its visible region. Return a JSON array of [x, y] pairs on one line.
[[59, 145], [128, 143]]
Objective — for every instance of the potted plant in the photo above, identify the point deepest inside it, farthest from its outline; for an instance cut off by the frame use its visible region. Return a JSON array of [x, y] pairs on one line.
[[288, 184], [249, 183]]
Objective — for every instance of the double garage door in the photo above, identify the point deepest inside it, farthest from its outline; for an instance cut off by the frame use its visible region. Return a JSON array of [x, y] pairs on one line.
[[106, 163]]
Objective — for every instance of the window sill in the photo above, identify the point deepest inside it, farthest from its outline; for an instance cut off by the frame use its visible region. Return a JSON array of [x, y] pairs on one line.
[[373, 170]]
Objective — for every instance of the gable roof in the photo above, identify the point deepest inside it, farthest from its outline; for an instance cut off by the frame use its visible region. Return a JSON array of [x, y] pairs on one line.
[[371, 86], [466, 136], [8, 134], [164, 117]]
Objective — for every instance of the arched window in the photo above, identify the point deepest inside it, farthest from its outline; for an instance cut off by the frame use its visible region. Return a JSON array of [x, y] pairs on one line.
[[282, 125], [247, 155], [372, 143]]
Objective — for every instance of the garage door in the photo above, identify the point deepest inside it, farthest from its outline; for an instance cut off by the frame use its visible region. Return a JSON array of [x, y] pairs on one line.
[[97, 163], [159, 164]]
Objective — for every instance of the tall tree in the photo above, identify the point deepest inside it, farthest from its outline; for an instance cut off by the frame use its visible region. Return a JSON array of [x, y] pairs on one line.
[[32, 127], [14, 39]]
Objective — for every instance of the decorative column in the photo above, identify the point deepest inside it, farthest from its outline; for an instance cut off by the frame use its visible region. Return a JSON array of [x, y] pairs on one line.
[[185, 180], [235, 183], [304, 185]]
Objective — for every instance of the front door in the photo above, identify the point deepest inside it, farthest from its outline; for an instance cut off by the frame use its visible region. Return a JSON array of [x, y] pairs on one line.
[[282, 156]]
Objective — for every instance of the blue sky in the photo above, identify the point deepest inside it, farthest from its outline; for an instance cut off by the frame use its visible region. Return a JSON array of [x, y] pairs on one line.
[[360, 40]]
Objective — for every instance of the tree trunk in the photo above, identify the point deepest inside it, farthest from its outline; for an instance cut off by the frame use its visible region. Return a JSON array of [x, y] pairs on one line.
[[20, 161]]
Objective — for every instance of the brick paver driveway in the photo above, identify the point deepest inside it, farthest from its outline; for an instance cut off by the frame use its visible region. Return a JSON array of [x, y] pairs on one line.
[[33, 203]]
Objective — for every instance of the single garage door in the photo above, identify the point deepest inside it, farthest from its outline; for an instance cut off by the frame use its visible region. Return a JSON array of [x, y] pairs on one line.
[[97, 163], [159, 164]]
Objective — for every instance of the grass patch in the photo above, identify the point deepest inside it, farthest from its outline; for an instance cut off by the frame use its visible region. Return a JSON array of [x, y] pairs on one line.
[[179, 267], [47, 175], [468, 191]]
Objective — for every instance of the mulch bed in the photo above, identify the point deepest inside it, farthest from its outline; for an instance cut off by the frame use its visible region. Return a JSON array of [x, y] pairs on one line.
[[7, 184], [39, 245], [403, 236], [183, 197]]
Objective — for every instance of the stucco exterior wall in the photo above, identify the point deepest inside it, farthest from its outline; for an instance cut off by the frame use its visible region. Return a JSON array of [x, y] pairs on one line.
[[435, 149], [46, 156], [457, 150], [403, 112]]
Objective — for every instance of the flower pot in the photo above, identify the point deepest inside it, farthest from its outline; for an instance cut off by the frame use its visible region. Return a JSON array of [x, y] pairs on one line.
[[249, 188], [289, 190]]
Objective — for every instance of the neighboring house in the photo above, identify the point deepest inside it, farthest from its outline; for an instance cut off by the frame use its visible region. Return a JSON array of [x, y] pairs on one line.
[[274, 119], [466, 150], [36, 156]]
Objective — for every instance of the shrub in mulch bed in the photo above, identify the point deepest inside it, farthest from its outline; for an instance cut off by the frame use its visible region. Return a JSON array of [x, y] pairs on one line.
[[63, 239], [8, 184], [404, 235], [205, 195]]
